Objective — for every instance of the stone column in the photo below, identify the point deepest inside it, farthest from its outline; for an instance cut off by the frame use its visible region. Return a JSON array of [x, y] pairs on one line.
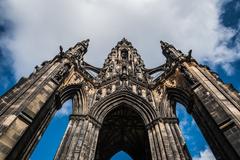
[[166, 140], [80, 139]]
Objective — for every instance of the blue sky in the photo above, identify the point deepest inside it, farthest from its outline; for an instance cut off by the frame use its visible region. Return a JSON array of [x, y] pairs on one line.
[[30, 32]]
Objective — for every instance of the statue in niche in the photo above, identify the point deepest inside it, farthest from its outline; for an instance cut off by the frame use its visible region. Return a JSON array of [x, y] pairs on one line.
[[124, 54], [149, 97], [139, 91], [99, 94], [109, 90]]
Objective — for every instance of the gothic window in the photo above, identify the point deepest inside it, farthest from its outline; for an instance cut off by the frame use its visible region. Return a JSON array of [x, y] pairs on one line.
[[124, 54], [124, 70]]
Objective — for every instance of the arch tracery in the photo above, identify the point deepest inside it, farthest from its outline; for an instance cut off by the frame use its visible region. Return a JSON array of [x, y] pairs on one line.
[[100, 109]]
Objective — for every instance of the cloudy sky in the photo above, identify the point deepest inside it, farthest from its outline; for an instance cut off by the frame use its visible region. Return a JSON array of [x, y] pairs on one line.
[[32, 30]]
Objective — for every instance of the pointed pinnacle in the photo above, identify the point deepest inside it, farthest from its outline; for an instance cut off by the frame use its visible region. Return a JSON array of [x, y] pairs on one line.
[[163, 44], [85, 42], [189, 56], [61, 49], [124, 39], [190, 52]]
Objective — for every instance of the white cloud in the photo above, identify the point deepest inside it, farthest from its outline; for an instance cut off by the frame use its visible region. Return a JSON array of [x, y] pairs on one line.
[[66, 109], [185, 123], [228, 68], [40, 26], [205, 155]]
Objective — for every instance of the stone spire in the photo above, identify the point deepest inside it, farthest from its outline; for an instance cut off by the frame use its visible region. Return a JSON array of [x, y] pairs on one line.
[[170, 52], [123, 61]]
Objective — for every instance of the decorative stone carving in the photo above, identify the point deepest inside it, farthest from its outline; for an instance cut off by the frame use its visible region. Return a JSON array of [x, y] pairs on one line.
[[99, 94], [61, 73], [139, 91], [120, 107], [170, 83]]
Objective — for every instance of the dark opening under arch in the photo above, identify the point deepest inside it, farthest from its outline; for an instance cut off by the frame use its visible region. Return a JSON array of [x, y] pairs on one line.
[[50, 140], [123, 129]]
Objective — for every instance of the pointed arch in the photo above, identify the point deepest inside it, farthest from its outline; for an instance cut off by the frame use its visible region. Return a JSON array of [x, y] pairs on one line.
[[76, 93], [123, 129], [105, 105], [182, 96]]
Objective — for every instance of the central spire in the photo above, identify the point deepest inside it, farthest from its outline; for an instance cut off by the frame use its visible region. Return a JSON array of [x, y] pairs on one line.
[[123, 61]]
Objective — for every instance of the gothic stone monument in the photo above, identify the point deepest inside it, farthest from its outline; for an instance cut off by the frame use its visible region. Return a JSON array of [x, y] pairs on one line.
[[122, 107]]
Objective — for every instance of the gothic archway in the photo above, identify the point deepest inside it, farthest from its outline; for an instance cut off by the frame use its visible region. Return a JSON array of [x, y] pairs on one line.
[[101, 108], [75, 93], [123, 129], [124, 117]]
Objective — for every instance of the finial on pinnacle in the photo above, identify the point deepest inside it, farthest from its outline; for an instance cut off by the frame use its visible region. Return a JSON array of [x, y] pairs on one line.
[[61, 49], [190, 53], [82, 46], [189, 56], [162, 42], [165, 45], [167, 50], [85, 42], [124, 39]]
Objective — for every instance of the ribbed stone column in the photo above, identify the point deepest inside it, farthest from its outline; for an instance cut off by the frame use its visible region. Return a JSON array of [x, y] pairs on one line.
[[160, 141], [166, 140], [152, 146], [80, 139], [93, 143], [64, 146]]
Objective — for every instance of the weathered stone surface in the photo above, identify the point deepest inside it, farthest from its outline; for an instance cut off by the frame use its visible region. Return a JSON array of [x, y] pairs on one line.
[[120, 106]]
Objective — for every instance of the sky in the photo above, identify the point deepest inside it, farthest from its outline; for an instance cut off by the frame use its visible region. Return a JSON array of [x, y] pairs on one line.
[[31, 32]]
